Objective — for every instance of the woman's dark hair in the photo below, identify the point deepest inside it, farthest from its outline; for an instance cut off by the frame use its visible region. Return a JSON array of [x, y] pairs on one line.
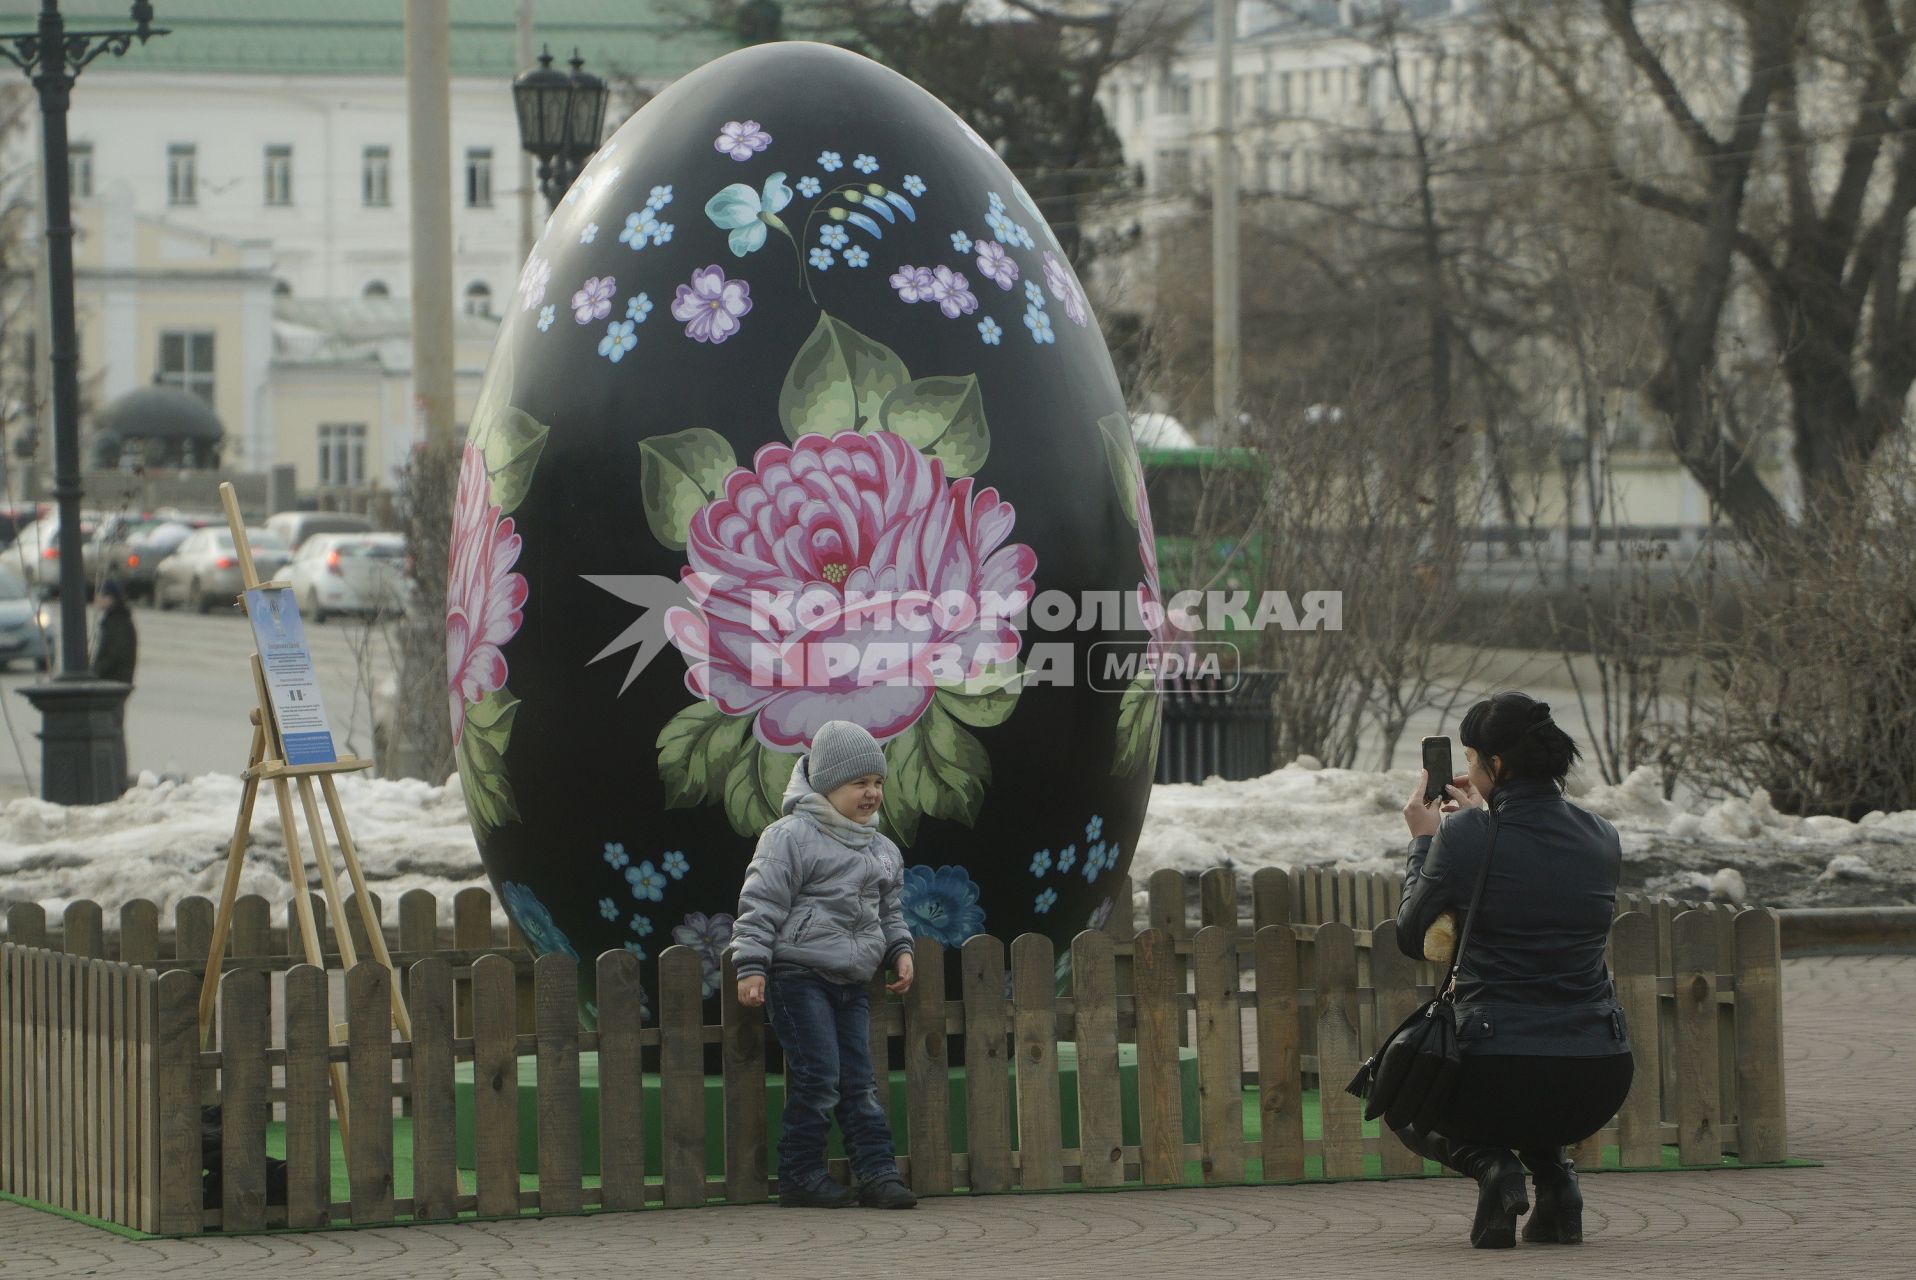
[[1518, 728]]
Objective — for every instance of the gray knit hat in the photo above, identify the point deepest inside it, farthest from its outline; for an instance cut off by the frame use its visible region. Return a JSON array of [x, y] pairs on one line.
[[840, 752]]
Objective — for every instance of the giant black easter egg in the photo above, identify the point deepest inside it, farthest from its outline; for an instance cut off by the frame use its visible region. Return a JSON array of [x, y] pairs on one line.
[[799, 414]]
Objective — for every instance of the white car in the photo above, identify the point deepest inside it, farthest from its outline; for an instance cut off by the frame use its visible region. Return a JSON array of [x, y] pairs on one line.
[[27, 631], [357, 573], [35, 554]]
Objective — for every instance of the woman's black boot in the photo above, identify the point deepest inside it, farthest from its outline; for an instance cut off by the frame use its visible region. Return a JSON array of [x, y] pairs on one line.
[[1559, 1215], [1501, 1199]]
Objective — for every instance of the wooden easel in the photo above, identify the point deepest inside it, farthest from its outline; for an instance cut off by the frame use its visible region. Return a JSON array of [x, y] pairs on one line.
[[266, 762]]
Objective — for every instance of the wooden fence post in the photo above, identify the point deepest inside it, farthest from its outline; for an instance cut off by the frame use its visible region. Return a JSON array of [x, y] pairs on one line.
[[1337, 1051], [1094, 996], [139, 932], [682, 1075], [747, 1162], [1633, 961], [1693, 951], [987, 1078], [1762, 1134], [369, 1092], [27, 924], [927, 1072], [1160, 1098], [1220, 1052], [192, 931], [622, 1083], [495, 1085], [1167, 912], [1217, 898], [471, 931], [435, 1180], [1035, 1021], [556, 1019], [82, 929], [1270, 897], [1278, 1075], [243, 1108], [309, 1140], [177, 1101], [1393, 979]]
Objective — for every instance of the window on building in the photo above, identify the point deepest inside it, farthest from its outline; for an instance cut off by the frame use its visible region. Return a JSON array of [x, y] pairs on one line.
[[80, 170], [479, 178], [1204, 100], [279, 175], [1263, 92], [478, 298], [342, 453], [182, 179], [376, 177], [281, 289], [1174, 168], [186, 362], [375, 289], [1137, 104], [1284, 92], [1263, 171]]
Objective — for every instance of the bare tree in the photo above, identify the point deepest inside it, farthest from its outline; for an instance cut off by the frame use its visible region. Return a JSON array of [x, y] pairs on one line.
[[1802, 194]]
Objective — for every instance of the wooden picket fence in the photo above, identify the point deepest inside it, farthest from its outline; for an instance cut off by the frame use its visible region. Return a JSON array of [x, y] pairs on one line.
[[103, 1076]]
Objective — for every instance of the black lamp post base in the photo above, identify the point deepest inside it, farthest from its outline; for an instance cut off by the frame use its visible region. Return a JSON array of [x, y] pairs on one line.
[[82, 739]]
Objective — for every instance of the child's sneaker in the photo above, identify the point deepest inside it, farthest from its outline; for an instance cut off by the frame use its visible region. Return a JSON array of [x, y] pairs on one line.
[[823, 1194], [887, 1193]]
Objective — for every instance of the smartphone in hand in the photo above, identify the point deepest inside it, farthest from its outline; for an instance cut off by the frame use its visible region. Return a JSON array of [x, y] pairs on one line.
[[1437, 768]]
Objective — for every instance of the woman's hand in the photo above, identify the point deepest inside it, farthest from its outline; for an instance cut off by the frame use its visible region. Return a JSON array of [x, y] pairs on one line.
[[751, 991], [1462, 795], [903, 968], [1420, 816]]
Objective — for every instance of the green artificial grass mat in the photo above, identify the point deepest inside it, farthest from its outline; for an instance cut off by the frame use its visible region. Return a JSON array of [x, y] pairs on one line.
[[1193, 1170]]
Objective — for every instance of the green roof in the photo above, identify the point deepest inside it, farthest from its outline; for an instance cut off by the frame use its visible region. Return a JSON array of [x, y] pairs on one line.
[[644, 39]]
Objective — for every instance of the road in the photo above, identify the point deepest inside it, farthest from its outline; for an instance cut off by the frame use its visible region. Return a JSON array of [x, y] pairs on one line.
[[193, 691]]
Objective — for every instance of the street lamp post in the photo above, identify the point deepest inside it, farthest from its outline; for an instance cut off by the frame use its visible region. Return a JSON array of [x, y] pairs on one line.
[[83, 742], [560, 119]]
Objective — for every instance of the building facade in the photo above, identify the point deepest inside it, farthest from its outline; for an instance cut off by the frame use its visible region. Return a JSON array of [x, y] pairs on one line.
[[243, 207]]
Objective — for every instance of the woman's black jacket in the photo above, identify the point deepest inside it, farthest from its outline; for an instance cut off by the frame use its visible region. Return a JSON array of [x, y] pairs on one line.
[[1533, 979]]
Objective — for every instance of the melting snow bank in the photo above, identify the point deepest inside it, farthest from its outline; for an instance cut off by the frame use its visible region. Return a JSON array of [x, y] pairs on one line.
[[167, 839], [1736, 849]]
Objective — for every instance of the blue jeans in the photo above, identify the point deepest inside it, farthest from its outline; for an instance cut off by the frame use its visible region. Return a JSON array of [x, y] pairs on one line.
[[825, 1030]]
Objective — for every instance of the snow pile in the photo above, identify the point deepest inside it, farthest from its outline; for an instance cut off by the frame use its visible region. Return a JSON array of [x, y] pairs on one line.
[[165, 840]]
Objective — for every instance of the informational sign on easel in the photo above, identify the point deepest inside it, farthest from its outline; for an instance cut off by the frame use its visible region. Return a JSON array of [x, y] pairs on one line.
[[292, 750], [297, 706]]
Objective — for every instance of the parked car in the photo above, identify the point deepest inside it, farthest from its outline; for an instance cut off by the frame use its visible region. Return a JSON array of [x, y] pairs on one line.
[[204, 572], [362, 573], [139, 566], [14, 519], [35, 554], [105, 551], [294, 527], [23, 638]]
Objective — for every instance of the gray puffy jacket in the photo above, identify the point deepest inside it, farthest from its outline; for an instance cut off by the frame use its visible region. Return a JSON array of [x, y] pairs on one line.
[[810, 899]]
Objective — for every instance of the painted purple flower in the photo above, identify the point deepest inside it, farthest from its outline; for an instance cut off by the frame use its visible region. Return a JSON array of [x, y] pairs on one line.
[[709, 936], [995, 265], [914, 284], [532, 282], [952, 292], [1064, 287], [593, 301], [711, 306], [741, 139]]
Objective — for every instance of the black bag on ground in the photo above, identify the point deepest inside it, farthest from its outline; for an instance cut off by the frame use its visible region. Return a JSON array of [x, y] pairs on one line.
[[1409, 1079]]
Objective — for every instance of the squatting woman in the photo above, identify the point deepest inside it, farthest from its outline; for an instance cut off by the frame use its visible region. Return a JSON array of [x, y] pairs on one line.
[[1546, 1058]]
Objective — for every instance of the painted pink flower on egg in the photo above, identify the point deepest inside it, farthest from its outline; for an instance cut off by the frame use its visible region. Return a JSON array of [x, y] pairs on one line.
[[856, 545], [1064, 288], [485, 600]]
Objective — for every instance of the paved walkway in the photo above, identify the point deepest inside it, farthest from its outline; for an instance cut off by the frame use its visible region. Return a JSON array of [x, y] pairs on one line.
[[1850, 1040]]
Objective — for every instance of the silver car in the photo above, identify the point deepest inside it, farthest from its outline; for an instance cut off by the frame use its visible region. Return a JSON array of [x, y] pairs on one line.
[[24, 637], [204, 573], [360, 573]]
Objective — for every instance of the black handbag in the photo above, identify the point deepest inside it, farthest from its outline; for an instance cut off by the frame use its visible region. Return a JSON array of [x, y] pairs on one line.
[[1409, 1079]]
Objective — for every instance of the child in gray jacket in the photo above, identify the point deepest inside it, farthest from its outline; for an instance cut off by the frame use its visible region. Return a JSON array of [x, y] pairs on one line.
[[818, 915]]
